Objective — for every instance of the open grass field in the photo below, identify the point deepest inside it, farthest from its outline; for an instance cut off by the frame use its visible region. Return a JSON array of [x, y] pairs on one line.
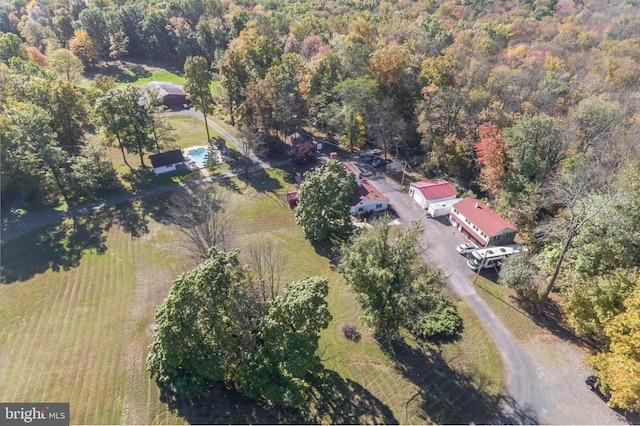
[[80, 333]]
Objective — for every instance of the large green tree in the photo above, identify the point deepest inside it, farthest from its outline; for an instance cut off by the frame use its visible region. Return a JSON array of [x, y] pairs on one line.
[[197, 82], [278, 371], [324, 202], [11, 46], [65, 64], [32, 158], [68, 114], [214, 327], [393, 285], [93, 173], [234, 76], [199, 336], [126, 121]]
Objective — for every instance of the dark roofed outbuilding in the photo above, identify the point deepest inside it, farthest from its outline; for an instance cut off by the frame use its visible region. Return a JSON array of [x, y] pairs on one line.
[[171, 94], [167, 161]]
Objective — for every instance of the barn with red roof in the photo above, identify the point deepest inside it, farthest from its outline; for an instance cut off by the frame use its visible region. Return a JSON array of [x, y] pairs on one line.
[[481, 224], [432, 191]]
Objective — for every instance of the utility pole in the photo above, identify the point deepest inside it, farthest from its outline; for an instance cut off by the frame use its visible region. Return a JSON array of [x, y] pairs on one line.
[[480, 267], [404, 166]]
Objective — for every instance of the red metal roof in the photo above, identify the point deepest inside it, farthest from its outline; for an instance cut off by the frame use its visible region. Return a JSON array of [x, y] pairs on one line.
[[482, 216], [435, 189], [367, 191], [291, 197], [351, 168]]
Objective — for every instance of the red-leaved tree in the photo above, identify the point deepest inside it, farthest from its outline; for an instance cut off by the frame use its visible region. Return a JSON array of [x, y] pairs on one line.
[[491, 156]]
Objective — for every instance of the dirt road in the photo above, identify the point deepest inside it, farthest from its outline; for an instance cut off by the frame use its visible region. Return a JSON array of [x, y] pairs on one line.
[[545, 376]]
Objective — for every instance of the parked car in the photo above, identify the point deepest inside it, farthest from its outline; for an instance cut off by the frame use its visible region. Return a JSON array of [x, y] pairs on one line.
[[370, 153], [466, 248], [380, 162]]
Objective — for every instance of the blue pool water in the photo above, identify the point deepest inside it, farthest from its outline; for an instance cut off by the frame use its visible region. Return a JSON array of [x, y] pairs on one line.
[[199, 155]]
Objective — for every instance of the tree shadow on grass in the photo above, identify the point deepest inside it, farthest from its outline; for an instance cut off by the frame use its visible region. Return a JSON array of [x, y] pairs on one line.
[[260, 181], [447, 396], [342, 401], [331, 399], [122, 73], [62, 246], [552, 318], [329, 249], [57, 247], [230, 185]]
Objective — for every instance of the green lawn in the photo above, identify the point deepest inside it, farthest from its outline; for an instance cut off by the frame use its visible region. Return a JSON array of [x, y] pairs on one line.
[[76, 325], [189, 131], [503, 301], [158, 74]]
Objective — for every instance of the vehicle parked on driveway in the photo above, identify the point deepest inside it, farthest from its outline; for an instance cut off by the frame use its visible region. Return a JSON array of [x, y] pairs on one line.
[[370, 155], [491, 257], [379, 162], [466, 248]]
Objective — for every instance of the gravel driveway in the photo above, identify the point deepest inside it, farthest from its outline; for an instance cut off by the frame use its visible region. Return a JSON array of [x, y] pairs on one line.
[[545, 376]]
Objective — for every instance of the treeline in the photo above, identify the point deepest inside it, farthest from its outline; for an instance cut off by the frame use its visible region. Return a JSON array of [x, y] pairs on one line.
[[48, 130], [532, 105]]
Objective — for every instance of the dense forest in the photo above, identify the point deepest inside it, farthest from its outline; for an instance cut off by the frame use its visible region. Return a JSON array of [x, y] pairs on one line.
[[532, 105]]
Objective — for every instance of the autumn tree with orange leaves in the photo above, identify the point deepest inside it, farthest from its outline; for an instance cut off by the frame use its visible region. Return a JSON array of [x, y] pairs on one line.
[[491, 156]]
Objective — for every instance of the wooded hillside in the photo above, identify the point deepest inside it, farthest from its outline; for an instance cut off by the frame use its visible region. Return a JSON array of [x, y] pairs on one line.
[[532, 105]]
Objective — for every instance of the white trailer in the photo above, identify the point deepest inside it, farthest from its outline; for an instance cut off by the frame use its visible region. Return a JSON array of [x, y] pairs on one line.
[[441, 208]]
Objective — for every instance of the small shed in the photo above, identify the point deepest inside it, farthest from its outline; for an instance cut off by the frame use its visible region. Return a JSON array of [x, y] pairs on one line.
[[441, 208], [166, 162], [292, 198], [298, 137]]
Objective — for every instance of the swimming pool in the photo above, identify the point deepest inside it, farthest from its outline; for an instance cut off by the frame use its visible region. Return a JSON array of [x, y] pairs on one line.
[[199, 155]]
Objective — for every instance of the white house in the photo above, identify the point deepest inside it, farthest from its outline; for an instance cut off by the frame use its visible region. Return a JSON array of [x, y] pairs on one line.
[[481, 224], [432, 191], [166, 162], [367, 198]]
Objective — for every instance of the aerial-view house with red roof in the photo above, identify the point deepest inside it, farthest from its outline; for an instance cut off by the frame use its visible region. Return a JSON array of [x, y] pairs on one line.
[[432, 191], [367, 198], [481, 224]]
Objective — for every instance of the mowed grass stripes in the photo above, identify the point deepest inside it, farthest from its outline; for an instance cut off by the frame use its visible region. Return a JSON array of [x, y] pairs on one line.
[[66, 336], [81, 335]]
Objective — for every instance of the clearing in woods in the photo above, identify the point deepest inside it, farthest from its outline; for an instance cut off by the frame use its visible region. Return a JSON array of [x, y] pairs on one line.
[[80, 334]]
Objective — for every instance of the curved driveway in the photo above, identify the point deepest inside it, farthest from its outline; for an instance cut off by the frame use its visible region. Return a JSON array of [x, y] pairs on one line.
[[535, 395]]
